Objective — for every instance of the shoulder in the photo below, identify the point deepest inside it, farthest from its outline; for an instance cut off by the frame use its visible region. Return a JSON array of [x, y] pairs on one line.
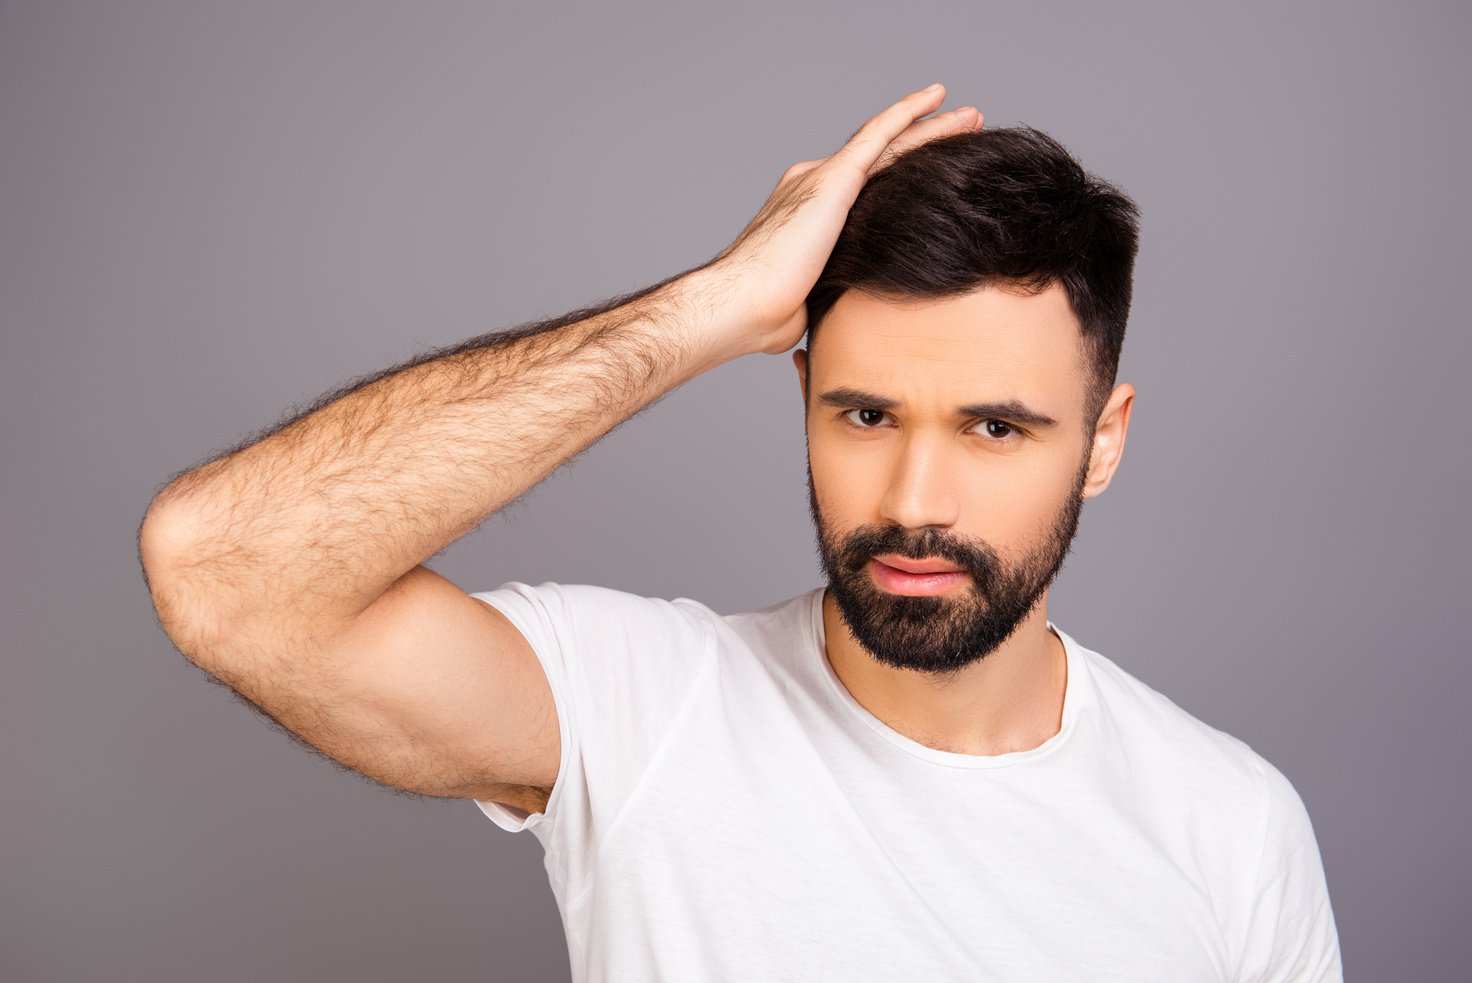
[[1223, 804], [594, 604], [1175, 745], [782, 622], [604, 631]]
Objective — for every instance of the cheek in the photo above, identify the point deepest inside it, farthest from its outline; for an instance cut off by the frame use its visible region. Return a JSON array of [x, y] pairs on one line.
[[847, 483], [849, 476], [1015, 507]]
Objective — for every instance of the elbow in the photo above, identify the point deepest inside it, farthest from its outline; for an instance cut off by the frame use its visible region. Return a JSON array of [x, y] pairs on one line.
[[166, 543], [166, 536]]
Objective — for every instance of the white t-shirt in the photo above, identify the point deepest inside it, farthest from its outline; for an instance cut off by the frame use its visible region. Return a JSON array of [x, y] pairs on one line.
[[726, 810]]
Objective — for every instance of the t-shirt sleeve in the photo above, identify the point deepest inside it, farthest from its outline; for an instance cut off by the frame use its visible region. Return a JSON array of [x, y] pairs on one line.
[[622, 668], [1291, 934]]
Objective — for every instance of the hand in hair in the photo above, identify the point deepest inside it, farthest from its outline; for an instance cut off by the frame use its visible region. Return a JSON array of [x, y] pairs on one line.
[[762, 279]]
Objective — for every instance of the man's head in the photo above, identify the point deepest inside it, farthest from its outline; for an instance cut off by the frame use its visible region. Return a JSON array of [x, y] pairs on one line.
[[961, 404]]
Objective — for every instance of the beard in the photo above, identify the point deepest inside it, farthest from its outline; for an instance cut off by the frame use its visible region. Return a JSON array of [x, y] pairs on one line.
[[940, 634]]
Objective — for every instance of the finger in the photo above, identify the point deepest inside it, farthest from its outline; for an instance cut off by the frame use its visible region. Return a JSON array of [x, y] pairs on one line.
[[945, 124], [869, 140], [963, 120]]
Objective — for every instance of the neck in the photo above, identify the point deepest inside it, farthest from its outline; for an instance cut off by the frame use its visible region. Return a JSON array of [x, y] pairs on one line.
[[1009, 700]]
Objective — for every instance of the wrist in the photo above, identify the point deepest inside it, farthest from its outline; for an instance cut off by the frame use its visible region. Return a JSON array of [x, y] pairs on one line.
[[700, 303]]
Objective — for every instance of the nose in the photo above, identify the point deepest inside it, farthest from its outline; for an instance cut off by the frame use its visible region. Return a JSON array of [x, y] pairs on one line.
[[921, 489]]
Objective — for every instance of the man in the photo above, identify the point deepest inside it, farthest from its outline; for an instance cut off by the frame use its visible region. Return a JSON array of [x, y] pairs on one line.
[[910, 773]]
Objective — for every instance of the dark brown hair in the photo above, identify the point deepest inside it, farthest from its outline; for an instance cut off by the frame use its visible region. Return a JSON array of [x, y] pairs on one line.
[[1007, 206]]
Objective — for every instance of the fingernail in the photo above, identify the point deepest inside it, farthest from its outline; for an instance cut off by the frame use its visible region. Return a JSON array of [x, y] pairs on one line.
[[932, 87]]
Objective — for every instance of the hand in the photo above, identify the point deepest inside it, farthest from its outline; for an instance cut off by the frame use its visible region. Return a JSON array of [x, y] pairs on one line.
[[758, 285]]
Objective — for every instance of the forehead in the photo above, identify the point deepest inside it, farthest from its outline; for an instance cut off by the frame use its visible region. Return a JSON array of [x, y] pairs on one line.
[[993, 343]]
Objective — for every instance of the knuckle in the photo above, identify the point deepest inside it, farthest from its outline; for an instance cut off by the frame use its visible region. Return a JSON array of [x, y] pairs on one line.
[[798, 170]]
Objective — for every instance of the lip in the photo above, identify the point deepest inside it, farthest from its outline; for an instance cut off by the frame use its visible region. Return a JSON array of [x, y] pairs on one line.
[[917, 566], [897, 581]]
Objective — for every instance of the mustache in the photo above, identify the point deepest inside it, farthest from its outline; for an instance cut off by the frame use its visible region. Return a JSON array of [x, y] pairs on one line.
[[865, 543]]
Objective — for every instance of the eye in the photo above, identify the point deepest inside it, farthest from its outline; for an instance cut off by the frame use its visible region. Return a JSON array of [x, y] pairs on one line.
[[1011, 432], [866, 418], [869, 418]]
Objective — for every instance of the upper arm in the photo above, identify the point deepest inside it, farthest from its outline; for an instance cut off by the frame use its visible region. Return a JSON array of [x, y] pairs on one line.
[[428, 689], [1292, 936]]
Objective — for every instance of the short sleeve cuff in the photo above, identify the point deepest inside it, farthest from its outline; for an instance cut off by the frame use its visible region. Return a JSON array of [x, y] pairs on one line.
[[508, 817]]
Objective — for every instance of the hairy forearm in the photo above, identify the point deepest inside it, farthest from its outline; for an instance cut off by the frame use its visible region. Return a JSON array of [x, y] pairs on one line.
[[311, 523]]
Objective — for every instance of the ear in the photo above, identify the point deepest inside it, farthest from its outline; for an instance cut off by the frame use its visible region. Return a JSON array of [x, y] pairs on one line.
[[1109, 437], [800, 359]]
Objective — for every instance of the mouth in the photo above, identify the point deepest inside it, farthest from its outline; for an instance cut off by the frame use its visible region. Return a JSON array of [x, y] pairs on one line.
[[931, 577], [928, 565]]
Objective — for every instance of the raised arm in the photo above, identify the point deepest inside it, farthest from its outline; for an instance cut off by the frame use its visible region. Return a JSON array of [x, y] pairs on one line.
[[291, 567]]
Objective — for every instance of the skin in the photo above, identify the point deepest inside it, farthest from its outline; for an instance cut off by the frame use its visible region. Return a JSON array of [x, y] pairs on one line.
[[975, 670], [291, 568]]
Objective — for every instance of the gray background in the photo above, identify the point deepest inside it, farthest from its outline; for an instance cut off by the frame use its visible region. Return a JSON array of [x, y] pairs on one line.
[[212, 212]]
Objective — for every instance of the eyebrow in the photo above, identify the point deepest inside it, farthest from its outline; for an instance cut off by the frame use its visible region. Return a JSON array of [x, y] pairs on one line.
[[1010, 409]]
